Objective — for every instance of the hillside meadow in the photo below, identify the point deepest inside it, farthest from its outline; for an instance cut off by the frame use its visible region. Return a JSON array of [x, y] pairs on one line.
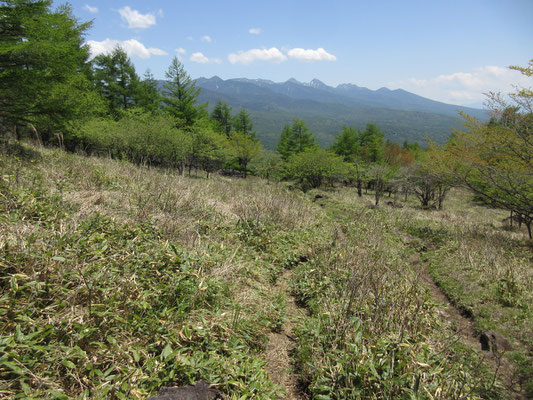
[[118, 279]]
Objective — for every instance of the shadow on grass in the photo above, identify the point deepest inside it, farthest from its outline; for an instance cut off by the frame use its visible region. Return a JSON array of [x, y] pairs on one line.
[[19, 150]]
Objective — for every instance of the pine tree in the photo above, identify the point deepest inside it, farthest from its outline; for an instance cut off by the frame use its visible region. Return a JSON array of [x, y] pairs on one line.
[[181, 95], [286, 145], [347, 143], [295, 139], [371, 140], [116, 79], [148, 96], [40, 51], [222, 118], [245, 148], [242, 123]]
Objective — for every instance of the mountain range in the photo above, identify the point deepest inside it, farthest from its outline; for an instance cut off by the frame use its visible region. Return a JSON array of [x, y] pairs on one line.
[[400, 114]]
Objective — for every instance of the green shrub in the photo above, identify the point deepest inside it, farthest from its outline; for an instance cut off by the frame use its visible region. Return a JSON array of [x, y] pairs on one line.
[[313, 167]]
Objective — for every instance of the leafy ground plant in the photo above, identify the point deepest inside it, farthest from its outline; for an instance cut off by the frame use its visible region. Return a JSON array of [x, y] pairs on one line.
[[118, 279]]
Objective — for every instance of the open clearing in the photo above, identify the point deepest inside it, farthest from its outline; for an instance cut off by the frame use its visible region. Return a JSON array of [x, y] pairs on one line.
[[118, 279]]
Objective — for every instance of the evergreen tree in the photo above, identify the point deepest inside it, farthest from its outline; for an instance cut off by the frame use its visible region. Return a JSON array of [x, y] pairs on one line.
[[41, 51], [222, 118], [148, 97], [347, 143], [242, 123], [286, 145], [302, 137], [245, 148], [181, 95], [295, 139], [116, 79], [371, 140]]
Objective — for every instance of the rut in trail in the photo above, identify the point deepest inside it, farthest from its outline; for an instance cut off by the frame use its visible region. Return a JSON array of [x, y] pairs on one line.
[[280, 344], [464, 329]]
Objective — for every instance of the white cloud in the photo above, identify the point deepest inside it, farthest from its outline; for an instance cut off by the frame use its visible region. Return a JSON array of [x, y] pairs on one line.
[[133, 48], [156, 52], [181, 52], [201, 59], [190, 38], [249, 56], [92, 10], [465, 87], [135, 19], [310, 55], [255, 31], [207, 39]]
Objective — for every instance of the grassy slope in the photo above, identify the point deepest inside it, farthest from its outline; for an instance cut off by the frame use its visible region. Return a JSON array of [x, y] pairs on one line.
[[485, 269], [118, 279]]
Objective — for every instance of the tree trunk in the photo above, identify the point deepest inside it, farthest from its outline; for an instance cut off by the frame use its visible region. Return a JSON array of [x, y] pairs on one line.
[[378, 190]]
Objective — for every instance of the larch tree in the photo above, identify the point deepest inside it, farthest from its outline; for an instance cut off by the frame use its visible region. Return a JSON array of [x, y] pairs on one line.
[[42, 54], [115, 77], [243, 142], [243, 123], [148, 97], [245, 149], [347, 143], [180, 95], [221, 116], [295, 139], [371, 140]]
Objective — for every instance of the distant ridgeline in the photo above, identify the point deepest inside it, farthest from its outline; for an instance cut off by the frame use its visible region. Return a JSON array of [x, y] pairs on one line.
[[400, 114]]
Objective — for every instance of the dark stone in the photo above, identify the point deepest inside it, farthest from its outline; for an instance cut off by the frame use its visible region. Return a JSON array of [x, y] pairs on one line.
[[230, 172], [303, 259], [200, 391], [494, 341], [393, 204]]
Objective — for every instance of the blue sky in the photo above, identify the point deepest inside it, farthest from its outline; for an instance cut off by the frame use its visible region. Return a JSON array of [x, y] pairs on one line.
[[447, 50]]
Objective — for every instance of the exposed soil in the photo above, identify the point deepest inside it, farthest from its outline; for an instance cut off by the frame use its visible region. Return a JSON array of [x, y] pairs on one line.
[[280, 344], [461, 324]]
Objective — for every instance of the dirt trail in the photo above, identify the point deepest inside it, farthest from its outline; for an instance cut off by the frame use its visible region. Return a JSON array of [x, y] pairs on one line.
[[280, 345], [463, 327]]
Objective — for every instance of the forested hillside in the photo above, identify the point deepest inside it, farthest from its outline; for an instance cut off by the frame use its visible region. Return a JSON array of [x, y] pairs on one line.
[[403, 115]]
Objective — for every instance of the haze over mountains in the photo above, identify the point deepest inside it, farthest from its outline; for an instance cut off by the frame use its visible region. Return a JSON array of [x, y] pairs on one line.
[[400, 114]]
